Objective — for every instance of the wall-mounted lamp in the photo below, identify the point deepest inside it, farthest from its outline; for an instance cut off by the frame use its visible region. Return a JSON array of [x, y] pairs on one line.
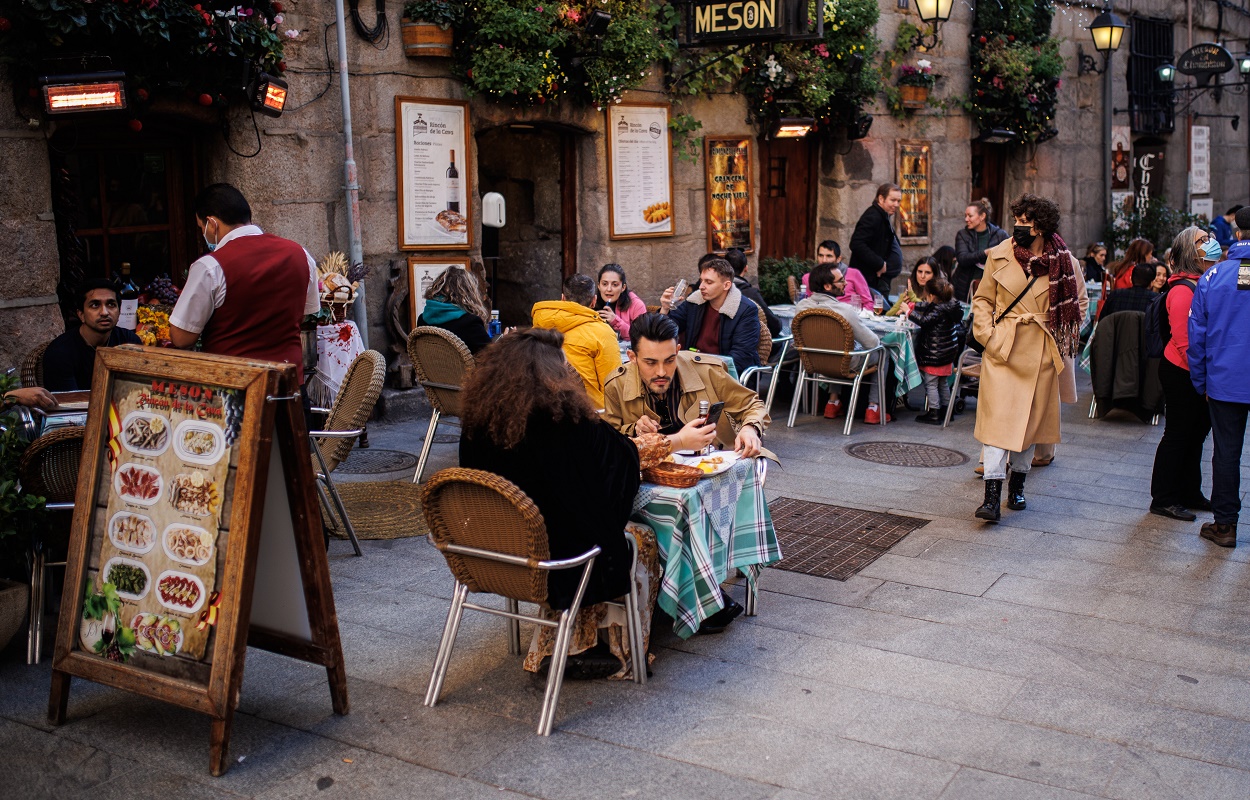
[[1243, 64], [859, 127], [268, 95], [1235, 119], [1166, 73], [792, 128], [1107, 30], [94, 91], [597, 23], [933, 12]]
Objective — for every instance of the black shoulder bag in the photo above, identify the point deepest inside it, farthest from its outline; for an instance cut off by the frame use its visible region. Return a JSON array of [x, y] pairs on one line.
[[975, 345]]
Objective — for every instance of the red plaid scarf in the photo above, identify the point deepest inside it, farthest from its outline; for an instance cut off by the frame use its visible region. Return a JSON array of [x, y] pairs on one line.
[[1065, 308]]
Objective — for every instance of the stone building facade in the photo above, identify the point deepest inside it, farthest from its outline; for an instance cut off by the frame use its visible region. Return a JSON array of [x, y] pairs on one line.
[[296, 184]]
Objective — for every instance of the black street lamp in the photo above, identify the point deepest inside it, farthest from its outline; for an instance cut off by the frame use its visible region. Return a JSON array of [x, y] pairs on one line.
[[1107, 30], [933, 12]]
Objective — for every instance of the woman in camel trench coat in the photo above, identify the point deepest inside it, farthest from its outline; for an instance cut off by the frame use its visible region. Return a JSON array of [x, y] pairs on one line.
[[1021, 371]]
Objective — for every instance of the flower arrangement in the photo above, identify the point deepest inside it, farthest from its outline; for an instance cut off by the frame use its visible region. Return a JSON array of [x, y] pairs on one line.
[[919, 75], [153, 327], [338, 283], [200, 48]]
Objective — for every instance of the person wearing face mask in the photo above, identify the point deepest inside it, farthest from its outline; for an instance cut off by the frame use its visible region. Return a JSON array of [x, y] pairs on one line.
[[1027, 312], [248, 296]]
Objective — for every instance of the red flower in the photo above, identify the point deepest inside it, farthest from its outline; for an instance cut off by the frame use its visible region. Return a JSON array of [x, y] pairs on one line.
[[135, 125], [277, 7], [982, 40], [1011, 38], [206, 99], [281, 66], [143, 94]]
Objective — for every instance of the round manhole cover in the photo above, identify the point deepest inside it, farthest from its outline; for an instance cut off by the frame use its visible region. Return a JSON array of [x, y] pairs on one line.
[[907, 454], [376, 462]]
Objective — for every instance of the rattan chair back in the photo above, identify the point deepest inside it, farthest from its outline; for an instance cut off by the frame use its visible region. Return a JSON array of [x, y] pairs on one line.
[[49, 467], [766, 339], [441, 361], [792, 287], [359, 392], [472, 508], [32, 367], [823, 329]]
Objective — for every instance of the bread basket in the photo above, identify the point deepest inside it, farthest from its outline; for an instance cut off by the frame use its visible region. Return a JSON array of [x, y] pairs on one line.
[[668, 473]]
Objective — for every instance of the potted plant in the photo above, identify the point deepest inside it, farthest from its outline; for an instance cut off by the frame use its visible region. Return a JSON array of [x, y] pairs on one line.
[[19, 513], [427, 27], [914, 83]]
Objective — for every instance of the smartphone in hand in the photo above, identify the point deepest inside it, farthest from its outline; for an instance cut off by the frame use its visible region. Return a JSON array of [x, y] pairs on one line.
[[713, 413]]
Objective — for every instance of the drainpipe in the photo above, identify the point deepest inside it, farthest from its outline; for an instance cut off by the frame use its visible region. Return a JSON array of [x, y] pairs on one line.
[[355, 251]]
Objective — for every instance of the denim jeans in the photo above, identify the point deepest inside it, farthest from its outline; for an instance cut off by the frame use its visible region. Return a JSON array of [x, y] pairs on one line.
[[997, 461], [1228, 434]]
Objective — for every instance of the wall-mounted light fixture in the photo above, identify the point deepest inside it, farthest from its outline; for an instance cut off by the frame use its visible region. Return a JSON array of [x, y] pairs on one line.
[[596, 25], [1166, 72], [269, 95], [1243, 65], [792, 128], [93, 91], [1106, 30], [859, 127], [933, 12]]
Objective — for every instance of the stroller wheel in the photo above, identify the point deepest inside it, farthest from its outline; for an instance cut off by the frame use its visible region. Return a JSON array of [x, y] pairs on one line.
[[959, 406]]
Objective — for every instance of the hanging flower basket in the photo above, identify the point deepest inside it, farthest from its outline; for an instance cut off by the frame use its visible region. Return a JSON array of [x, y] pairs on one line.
[[425, 39], [914, 96]]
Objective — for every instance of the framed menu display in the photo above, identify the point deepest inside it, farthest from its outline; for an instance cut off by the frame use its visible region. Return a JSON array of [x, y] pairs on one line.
[[434, 182], [421, 273], [640, 171], [730, 222], [178, 503], [913, 165]]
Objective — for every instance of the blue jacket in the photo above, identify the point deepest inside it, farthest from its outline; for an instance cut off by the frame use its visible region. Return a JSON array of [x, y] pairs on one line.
[[1223, 232], [739, 326], [1219, 331]]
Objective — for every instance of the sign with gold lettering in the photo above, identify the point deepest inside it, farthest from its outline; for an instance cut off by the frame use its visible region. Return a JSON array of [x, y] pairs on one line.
[[730, 222], [913, 164], [1204, 60], [728, 21]]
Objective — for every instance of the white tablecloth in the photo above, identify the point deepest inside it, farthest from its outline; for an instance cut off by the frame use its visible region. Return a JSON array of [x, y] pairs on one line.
[[337, 346]]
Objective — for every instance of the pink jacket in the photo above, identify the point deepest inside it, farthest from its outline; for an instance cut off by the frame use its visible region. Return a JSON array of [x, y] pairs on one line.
[[626, 316], [857, 293]]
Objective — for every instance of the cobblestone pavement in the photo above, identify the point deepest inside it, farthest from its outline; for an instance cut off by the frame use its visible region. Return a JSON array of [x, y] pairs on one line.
[[1081, 648]]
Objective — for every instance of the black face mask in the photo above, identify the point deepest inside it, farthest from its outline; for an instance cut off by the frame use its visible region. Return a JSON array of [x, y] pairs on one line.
[[1024, 235]]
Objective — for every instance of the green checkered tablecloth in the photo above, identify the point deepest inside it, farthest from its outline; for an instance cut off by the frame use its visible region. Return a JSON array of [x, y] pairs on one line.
[[705, 531], [903, 354]]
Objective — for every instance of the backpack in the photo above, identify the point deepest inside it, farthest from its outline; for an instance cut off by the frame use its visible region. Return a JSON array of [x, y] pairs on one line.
[[1158, 327]]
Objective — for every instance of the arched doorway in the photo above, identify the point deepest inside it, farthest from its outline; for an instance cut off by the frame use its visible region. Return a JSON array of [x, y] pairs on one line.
[[534, 167]]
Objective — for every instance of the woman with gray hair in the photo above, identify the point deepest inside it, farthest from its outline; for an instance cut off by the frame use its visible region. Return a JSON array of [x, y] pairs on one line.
[[1176, 483]]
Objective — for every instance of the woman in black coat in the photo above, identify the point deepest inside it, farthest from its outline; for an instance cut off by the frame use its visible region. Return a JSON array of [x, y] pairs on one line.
[[937, 344], [527, 418]]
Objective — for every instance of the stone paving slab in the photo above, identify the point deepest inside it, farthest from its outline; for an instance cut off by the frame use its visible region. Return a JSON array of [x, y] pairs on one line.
[[1082, 648]]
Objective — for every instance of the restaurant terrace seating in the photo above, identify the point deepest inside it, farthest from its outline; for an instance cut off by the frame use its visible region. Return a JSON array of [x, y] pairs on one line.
[[32, 367], [441, 362], [826, 347]]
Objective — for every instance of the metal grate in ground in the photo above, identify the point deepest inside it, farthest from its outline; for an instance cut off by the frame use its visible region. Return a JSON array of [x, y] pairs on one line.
[[377, 462], [906, 454], [832, 541]]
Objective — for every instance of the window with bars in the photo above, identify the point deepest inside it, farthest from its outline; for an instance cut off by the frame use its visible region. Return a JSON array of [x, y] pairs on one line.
[[1151, 109]]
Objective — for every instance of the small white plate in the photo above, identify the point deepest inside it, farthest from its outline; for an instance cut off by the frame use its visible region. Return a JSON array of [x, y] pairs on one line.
[[135, 416], [130, 562], [727, 460], [177, 607], [451, 236], [189, 427], [117, 520], [129, 498]]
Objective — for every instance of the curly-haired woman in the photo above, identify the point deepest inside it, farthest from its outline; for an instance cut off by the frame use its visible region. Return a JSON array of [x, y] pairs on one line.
[[527, 418], [1028, 341]]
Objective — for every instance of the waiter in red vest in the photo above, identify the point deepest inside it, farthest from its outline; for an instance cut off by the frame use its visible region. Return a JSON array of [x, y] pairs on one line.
[[248, 296]]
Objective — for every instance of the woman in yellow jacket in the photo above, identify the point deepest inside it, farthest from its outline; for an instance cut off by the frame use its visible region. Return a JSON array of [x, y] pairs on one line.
[[590, 344]]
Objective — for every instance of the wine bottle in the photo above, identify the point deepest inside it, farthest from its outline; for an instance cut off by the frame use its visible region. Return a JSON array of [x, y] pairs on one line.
[[453, 185], [128, 295]]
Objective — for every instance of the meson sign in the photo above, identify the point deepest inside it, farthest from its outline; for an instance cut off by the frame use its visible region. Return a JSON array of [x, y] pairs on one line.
[[730, 21]]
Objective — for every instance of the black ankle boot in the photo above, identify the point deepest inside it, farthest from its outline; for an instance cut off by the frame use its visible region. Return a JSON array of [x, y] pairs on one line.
[[1015, 491], [989, 509]]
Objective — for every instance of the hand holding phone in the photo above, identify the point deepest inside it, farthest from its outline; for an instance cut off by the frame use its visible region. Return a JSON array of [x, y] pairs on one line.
[[713, 413]]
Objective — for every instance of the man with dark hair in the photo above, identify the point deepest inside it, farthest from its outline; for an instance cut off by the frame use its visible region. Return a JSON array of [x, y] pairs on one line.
[[972, 244], [590, 344], [1137, 297], [1222, 227], [875, 250], [248, 296], [717, 319], [856, 293], [738, 260], [69, 361]]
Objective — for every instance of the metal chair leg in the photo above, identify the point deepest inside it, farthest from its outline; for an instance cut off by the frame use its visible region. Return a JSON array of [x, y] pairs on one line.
[[555, 672], [950, 406], [637, 639], [425, 447], [798, 392], [1093, 405], [514, 629], [443, 658], [34, 633], [850, 412], [881, 384], [342, 512]]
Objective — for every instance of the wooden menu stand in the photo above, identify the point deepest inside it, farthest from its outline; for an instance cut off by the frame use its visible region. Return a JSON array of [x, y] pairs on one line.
[[289, 610]]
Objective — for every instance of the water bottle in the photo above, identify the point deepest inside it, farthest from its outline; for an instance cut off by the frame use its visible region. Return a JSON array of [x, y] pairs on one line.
[[495, 327], [804, 292]]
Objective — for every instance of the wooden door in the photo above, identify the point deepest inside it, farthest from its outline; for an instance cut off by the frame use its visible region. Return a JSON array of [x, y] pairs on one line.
[[989, 175], [788, 197]]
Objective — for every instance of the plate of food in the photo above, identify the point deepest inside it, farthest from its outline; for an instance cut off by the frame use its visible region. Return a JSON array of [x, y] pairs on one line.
[[138, 484], [180, 591], [188, 544], [130, 578], [133, 533], [199, 442], [194, 494], [713, 463], [452, 225], [658, 216], [156, 633], [145, 434]]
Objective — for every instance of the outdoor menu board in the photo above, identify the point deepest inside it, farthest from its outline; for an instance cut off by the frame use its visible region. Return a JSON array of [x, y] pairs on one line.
[[433, 175], [728, 168], [913, 165], [168, 523], [640, 171]]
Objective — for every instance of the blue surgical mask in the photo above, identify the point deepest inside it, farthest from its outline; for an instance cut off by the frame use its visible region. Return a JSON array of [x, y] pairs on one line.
[[210, 245], [1212, 250]]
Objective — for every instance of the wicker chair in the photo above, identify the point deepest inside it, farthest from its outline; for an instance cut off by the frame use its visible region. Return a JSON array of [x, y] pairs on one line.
[[357, 395], [772, 370], [825, 343], [495, 541], [32, 367], [441, 362], [792, 286], [49, 469]]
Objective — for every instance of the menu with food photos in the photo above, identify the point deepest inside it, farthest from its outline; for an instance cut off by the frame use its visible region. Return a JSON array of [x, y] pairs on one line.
[[640, 174], [157, 552]]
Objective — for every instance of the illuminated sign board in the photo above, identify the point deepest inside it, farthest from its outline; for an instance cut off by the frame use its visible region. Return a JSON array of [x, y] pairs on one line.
[[732, 21]]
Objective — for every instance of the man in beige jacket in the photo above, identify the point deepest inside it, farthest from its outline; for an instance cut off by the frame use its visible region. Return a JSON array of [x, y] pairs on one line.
[[660, 389]]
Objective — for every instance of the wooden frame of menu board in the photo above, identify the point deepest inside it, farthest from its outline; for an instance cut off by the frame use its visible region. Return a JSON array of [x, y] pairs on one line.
[[180, 507], [730, 199], [421, 146], [643, 198], [419, 268]]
